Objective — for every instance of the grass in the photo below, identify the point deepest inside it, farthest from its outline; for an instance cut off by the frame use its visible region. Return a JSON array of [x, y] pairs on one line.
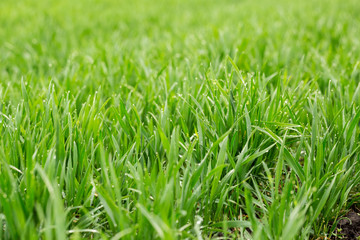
[[178, 119]]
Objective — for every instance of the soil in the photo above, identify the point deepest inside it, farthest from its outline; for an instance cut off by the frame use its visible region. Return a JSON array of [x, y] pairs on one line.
[[349, 226]]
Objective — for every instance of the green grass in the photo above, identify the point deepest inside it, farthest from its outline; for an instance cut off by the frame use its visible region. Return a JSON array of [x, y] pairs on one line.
[[178, 119]]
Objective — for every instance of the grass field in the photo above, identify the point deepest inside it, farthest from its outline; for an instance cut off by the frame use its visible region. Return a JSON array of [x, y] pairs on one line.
[[178, 119]]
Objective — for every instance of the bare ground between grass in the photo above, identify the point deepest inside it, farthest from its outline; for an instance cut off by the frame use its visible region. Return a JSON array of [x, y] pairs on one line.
[[349, 226]]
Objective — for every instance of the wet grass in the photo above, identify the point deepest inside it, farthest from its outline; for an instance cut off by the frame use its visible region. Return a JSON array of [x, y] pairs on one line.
[[178, 119]]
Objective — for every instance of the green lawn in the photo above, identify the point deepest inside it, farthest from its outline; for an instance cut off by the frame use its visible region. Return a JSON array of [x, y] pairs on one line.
[[178, 119]]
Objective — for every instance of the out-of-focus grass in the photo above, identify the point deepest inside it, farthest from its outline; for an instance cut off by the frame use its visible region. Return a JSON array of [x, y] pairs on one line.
[[178, 119]]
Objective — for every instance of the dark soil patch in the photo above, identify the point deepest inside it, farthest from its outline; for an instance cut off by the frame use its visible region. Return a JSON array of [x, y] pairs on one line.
[[349, 226]]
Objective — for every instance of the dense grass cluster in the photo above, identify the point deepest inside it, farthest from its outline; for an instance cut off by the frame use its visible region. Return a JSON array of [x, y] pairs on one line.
[[178, 119]]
